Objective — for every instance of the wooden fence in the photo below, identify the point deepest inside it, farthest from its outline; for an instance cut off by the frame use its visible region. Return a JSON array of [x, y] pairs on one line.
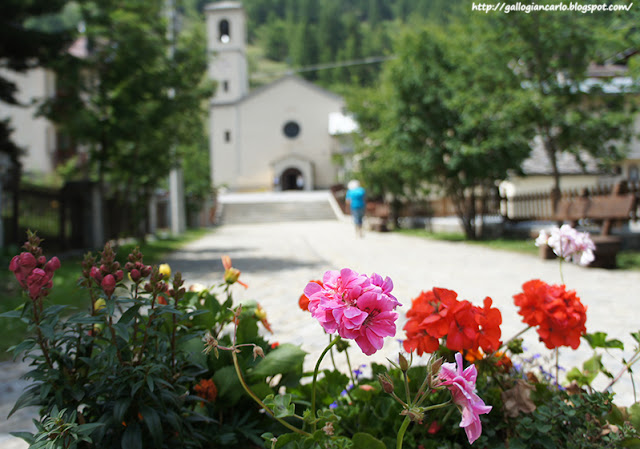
[[539, 205], [523, 207]]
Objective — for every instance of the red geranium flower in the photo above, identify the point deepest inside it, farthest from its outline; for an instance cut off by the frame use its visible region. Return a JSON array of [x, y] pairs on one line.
[[437, 314], [489, 318], [559, 314]]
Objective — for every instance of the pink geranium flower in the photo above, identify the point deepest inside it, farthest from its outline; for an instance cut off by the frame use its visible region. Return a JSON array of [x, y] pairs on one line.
[[355, 306], [569, 244], [462, 386]]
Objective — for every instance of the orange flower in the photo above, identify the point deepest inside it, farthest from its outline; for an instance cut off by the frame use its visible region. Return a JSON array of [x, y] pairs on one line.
[[262, 316], [472, 355], [504, 361], [207, 390], [231, 274], [303, 302]]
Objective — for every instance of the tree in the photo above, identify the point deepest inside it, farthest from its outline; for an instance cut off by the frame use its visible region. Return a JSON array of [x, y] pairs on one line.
[[25, 44], [131, 103], [551, 53], [450, 119]]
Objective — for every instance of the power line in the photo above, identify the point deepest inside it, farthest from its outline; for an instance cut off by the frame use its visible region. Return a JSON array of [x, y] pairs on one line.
[[326, 66]]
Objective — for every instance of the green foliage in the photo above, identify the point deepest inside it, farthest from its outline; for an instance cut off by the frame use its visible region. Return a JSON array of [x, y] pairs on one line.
[[137, 100], [329, 33], [26, 44], [128, 369], [553, 53], [449, 117]]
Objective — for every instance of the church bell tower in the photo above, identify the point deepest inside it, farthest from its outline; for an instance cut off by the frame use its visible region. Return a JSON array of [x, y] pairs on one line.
[[227, 46]]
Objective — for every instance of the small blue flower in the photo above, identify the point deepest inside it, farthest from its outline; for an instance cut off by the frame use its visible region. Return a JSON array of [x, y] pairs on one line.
[[333, 405]]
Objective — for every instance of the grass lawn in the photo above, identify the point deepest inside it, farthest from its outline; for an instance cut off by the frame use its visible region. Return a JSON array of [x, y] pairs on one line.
[[627, 260], [65, 289], [519, 245]]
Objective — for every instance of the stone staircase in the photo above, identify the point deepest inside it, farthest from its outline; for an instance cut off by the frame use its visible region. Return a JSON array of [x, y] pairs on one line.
[[272, 207]]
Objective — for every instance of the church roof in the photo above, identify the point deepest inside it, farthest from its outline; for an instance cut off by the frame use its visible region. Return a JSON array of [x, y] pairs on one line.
[[223, 5], [291, 77]]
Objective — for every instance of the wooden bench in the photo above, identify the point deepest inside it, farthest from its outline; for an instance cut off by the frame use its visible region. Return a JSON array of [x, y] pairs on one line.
[[378, 216], [604, 210]]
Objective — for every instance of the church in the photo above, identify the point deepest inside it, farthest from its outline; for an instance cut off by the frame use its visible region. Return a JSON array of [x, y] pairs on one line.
[[282, 136]]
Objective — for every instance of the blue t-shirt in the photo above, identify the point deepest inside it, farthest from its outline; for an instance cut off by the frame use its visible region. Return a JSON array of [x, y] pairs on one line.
[[356, 196]]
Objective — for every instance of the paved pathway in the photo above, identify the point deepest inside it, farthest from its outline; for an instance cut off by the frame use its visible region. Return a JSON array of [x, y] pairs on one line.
[[278, 259]]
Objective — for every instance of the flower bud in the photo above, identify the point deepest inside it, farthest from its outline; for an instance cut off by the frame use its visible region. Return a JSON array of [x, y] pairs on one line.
[[165, 270], [95, 274], [108, 284], [436, 365], [404, 365], [135, 275], [386, 383], [231, 275], [257, 352], [119, 275], [42, 260]]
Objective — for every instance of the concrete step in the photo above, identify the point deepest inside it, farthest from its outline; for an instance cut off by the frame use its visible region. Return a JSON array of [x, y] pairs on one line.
[[270, 212]]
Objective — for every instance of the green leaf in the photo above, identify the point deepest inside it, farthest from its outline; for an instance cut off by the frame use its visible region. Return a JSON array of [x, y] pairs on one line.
[[633, 443], [130, 314], [634, 415], [280, 405], [150, 383], [363, 440], [575, 374], [30, 397], [132, 437], [592, 367], [86, 429], [285, 358], [26, 345], [11, 314], [229, 387], [120, 409], [615, 416], [26, 436], [599, 340], [122, 330], [152, 420]]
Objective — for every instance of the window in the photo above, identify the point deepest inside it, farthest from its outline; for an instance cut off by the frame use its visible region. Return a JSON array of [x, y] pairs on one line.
[[291, 129], [223, 31], [225, 86], [633, 173], [227, 136]]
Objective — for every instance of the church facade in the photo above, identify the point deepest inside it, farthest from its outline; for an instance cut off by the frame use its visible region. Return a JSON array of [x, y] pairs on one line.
[[281, 136]]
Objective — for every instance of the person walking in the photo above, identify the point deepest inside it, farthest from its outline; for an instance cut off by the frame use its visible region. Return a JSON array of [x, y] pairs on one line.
[[355, 198]]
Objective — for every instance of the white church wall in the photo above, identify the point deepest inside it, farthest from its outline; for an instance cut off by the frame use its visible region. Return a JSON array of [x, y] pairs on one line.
[[264, 116], [225, 163]]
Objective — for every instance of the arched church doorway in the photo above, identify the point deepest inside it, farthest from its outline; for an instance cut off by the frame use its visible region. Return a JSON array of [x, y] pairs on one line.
[[292, 179]]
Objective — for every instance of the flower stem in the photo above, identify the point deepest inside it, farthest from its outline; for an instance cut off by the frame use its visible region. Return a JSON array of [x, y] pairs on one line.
[[557, 366], [626, 367], [403, 429], [315, 377], [258, 400], [506, 343]]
